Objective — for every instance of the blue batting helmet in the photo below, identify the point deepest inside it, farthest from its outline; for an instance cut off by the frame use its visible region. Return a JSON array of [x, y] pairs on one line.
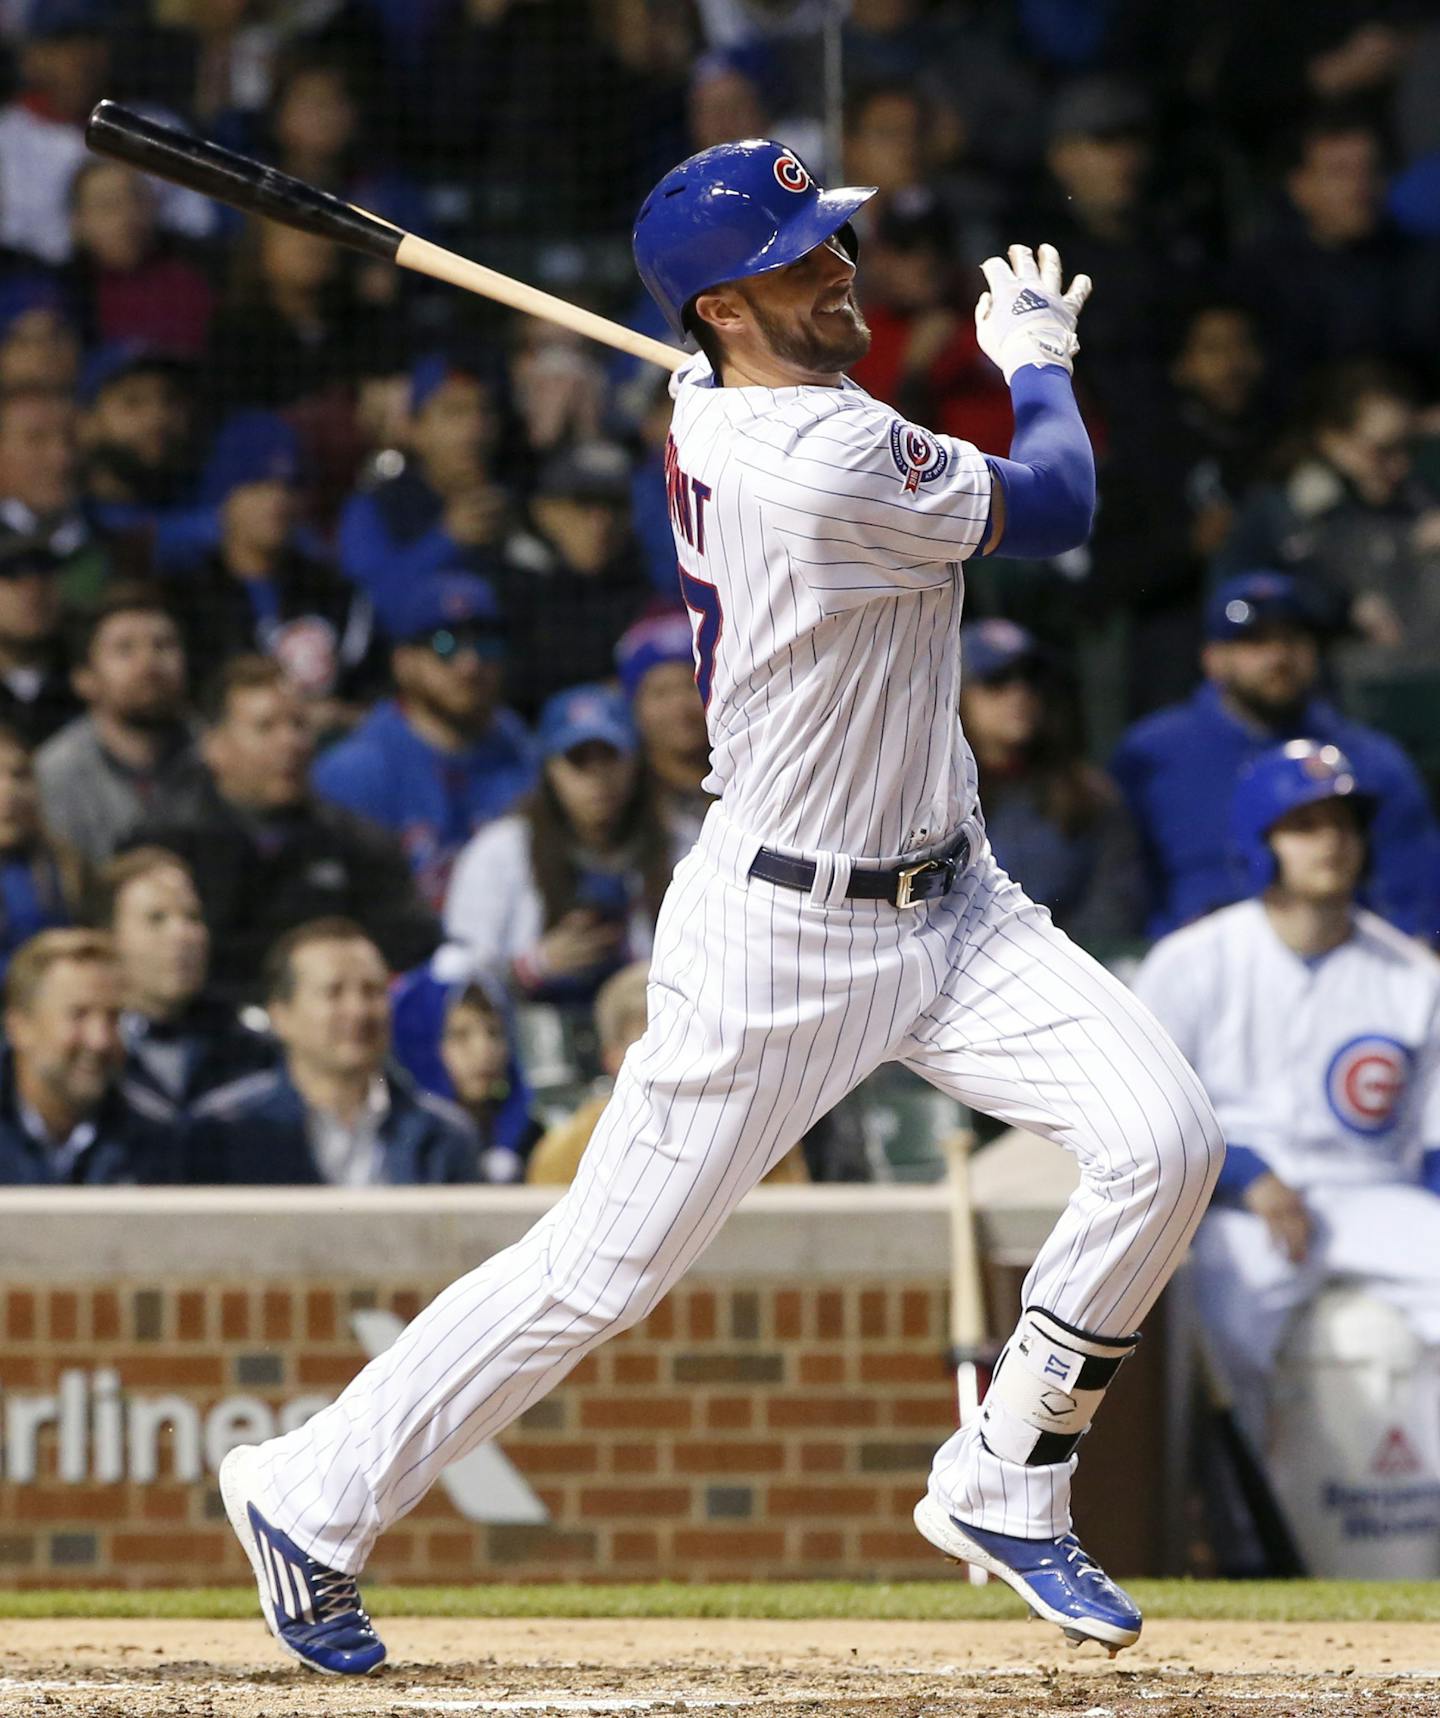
[[1301, 772], [734, 210]]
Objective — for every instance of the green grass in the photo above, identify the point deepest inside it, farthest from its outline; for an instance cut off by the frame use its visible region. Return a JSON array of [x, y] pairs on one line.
[[939, 1601]]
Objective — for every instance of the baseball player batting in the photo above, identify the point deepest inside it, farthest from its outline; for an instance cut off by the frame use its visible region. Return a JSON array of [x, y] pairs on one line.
[[841, 909]]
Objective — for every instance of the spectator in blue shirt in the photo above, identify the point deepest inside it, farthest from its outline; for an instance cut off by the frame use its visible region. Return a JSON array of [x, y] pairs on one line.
[[1178, 767], [65, 1117], [338, 1112], [443, 509], [443, 757]]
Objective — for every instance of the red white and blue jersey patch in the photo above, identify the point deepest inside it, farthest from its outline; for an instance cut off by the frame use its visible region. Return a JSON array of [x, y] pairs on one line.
[[918, 457], [1366, 1081]]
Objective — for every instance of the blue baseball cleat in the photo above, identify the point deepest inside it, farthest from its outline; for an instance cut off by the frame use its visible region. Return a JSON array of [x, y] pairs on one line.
[[1053, 1576], [314, 1612]]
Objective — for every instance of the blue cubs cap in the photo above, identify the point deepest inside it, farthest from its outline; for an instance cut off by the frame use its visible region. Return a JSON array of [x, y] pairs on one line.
[[119, 358], [732, 211], [990, 648], [458, 603], [1248, 601], [1277, 782], [584, 713], [251, 447], [648, 644]]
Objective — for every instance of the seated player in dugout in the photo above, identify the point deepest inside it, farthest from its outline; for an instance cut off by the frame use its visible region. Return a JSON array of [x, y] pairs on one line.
[[840, 910], [1315, 1028]]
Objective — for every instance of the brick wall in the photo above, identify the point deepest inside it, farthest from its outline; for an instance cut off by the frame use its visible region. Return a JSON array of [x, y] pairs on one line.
[[776, 1428]]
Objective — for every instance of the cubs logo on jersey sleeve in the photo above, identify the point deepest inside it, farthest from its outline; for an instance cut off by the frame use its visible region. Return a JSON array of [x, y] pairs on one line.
[[918, 457], [1365, 1083]]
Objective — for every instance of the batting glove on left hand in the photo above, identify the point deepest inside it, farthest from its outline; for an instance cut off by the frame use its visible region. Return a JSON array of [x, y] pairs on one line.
[[1025, 318]]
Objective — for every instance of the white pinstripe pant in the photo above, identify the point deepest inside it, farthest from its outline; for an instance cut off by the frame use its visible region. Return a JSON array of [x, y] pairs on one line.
[[766, 1007]]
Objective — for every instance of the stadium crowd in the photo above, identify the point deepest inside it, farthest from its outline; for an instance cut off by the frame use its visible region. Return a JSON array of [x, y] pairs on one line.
[[346, 698]]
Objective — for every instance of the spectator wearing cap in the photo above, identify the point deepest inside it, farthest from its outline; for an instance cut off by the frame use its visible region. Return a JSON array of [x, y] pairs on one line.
[[1177, 768], [180, 1041], [129, 281], [454, 1033], [1056, 823], [67, 1116], [1354, 516], [337, 1111], [39, 345], [554, 898], [40, 500], [42, 882], [36, 697], [578, 557], [656, 663], [104, 773], [266, 855], [443, 757], [442, 511], [135, 429], [1173, 484], [263, 588]]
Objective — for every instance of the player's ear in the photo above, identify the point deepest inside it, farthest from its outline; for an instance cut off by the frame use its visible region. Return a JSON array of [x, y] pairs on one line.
[[721, 309]]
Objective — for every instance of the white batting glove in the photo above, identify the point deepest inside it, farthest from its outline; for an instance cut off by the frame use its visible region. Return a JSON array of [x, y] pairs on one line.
[[1025, 318]]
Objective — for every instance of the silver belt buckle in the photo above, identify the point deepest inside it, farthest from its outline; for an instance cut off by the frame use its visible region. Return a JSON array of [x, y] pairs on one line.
[[905, 888]]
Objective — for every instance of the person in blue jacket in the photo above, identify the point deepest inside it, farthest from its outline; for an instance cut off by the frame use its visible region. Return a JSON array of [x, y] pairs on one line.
[[443, 508], [66, 1116], [443, 757], [1178, 767], [338, 1111]]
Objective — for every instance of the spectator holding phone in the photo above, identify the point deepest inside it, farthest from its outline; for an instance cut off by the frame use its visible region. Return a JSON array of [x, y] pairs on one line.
[[558, 896]]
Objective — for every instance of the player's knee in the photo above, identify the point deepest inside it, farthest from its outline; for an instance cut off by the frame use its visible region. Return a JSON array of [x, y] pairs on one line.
[[1190, 1149]]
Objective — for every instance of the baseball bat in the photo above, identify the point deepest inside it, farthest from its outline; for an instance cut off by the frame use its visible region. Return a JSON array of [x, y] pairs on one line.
[[969, 1354], [260, 190]]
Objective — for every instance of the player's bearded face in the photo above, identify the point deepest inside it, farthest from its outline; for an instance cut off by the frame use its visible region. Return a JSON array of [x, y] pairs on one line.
[[808, 317]]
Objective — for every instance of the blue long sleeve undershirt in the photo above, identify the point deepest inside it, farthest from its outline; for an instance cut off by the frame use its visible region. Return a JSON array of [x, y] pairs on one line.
[[1049, 479]]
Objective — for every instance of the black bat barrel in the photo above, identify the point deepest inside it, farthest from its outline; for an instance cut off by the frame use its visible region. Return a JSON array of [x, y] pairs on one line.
[[235, 179]]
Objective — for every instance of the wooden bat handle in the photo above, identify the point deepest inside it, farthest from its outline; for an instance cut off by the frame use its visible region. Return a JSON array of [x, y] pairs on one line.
[[426, 258]]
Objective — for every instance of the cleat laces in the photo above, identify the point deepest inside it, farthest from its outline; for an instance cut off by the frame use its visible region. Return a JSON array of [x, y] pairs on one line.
[[337, 1597]]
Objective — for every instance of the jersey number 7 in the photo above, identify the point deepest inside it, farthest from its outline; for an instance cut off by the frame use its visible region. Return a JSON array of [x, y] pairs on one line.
[[703, 601]]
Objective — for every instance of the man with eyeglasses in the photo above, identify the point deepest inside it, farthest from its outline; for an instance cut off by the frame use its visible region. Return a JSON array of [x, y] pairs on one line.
[[443, 756]]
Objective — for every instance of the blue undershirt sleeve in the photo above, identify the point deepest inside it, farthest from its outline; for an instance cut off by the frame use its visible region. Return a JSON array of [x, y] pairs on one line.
[[1049, 478], [1240, 1168]]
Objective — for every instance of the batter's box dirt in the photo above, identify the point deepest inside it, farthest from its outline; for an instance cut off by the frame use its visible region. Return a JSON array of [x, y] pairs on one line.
[[113, 1669]]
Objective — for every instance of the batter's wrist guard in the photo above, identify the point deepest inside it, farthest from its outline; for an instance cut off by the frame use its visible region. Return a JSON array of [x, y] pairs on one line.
[[1048, 1382]]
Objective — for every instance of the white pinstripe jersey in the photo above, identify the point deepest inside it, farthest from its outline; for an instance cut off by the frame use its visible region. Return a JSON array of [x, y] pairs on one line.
[[1329, 1068], [820, 538]]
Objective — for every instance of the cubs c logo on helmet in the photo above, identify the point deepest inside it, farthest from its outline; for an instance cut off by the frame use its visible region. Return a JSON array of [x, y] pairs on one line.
[[791, 174], [918, 457], [1366, 1081]]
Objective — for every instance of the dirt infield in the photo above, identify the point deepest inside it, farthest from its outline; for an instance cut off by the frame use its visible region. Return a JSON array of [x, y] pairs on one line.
[[53, 1669]]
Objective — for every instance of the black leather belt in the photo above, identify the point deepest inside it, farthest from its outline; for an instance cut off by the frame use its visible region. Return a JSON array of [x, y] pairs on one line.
[[905, 886]]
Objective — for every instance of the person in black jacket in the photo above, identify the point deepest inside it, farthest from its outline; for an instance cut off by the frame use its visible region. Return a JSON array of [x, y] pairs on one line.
[[265, 855], [181, 1042], [338, 1112], [66, 1115]]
